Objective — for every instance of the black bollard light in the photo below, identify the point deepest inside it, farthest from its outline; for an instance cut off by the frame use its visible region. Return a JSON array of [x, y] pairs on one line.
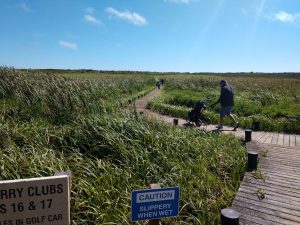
[[229, 217], [175, 121], [248, 134], [252, 160]]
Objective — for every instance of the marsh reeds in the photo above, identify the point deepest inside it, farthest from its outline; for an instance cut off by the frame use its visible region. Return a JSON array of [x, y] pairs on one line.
[[50, 123]]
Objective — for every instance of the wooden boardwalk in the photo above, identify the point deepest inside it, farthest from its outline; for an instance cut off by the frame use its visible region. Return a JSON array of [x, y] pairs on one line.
[[270, 195]]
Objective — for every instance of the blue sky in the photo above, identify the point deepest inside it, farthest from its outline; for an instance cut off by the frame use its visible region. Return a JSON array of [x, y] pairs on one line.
[[152, 35]]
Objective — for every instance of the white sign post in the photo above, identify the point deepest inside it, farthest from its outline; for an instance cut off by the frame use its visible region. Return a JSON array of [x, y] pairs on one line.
[[43, 201]]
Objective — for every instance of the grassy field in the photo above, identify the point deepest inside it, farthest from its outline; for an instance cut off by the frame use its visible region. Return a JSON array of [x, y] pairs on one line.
[[274, 102], [82, 123]]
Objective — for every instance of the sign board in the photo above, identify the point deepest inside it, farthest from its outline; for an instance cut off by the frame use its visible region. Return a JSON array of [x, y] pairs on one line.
[[43, 201], [151, 204]]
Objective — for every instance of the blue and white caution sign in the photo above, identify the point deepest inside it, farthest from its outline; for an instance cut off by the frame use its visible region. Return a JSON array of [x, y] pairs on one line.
[[151, 204]]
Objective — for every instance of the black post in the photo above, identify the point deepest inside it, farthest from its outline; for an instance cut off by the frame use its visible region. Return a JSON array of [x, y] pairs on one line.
[[255, 125], [252, 160], [175, 121], [248, 134], [229, 217]]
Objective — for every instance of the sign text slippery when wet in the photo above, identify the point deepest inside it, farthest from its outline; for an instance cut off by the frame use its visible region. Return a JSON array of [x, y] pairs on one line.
[[154, 203]]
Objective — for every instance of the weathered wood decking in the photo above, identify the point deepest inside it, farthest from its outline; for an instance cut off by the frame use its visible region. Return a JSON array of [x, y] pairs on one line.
[[271, 195]]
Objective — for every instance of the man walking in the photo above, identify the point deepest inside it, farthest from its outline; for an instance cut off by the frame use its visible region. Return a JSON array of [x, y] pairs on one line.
[[227, 103]]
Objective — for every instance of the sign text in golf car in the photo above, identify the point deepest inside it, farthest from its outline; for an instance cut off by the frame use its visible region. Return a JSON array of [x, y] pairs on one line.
[[154, 203], [44, 201]]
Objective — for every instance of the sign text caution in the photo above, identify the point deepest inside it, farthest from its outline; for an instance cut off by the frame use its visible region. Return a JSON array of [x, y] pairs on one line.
[[154, 203]]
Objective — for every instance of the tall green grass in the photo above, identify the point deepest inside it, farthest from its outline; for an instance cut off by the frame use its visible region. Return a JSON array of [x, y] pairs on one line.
[[111, 151], [273, 102]]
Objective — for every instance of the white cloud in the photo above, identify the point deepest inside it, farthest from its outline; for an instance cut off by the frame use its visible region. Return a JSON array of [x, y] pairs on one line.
[[66, 44], [92, 19], [180, 1], [132, 17], [286, 17]]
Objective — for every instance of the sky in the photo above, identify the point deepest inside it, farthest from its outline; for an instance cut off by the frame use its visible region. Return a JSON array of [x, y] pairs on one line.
[[152, 35]]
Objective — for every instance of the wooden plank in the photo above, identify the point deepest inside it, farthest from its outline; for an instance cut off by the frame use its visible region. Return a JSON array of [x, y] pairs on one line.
[[252, 217], [273, 158], [269, 203], [269, 139], [270, 185], [282, 177], [282, 186], [288, 214], [270, 199], [265, 137], [281, 171], [285, 152], [270, 194], [268, 215], [286, 140], [285, 166], [274, 190], [275, 139], [279, 147], [298, 140], [285, 163], [287, 156], [293, 162], [280, 139], [244, 221], [292, 140], [261, 136], [239, 134], [255, 134]]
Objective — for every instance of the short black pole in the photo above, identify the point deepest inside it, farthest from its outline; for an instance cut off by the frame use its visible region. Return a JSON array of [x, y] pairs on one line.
[[175, 121], [141, 113], [248, 134], [255, 126], [252, 160], [229, 217]]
